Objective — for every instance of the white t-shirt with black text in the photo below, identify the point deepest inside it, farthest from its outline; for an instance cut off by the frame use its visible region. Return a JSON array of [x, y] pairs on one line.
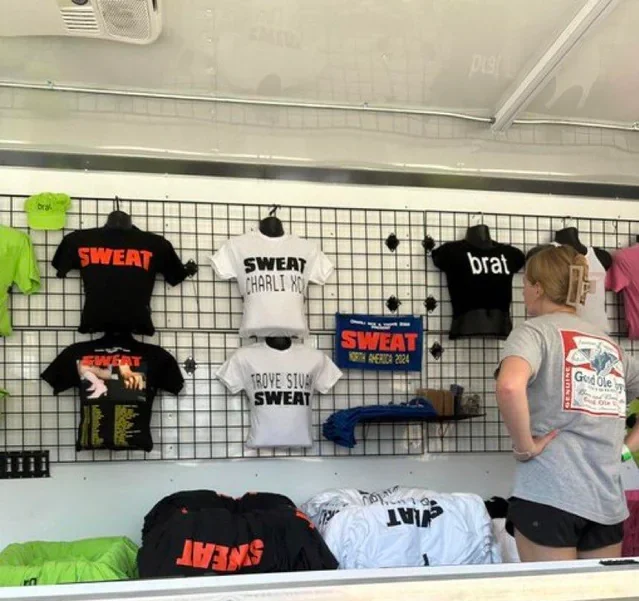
[[279, 385], [403, 527], [272, 275]]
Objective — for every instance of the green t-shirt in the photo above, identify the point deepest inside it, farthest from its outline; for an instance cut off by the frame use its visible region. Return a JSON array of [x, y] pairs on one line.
[[3, 393], [19, 266]]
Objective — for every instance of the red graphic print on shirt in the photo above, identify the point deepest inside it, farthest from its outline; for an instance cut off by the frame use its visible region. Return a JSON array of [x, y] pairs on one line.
[[593, 375]]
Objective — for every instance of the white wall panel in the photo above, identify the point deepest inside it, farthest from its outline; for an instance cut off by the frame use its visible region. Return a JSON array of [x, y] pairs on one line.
[[458, 55]]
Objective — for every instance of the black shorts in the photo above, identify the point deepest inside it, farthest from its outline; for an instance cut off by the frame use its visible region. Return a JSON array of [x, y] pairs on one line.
[[551, 527]]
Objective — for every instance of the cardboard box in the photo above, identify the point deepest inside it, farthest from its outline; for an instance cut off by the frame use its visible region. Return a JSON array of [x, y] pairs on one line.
[[442, 400]]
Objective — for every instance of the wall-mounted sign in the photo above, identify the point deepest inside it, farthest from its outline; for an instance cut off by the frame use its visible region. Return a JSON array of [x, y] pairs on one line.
[[378, 342]]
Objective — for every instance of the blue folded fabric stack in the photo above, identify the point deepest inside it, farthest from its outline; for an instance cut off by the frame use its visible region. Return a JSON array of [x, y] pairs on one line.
[[340, 426]]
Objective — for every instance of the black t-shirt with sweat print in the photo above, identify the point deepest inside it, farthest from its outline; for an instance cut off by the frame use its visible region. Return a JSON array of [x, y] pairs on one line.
[[480, 284], [118, 378], [118, 269]]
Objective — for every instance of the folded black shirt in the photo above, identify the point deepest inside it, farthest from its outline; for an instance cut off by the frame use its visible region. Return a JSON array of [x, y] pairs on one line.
[[199, 533]]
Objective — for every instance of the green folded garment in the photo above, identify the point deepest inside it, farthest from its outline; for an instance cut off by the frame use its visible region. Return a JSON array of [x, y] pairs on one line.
[[89, 560]]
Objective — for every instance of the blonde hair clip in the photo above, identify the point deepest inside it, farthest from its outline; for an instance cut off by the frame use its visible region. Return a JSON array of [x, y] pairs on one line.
[[578, 287]]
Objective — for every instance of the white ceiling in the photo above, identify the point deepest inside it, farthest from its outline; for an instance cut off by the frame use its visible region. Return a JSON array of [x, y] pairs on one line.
[[450, 55], [599, 80], [447, 54]]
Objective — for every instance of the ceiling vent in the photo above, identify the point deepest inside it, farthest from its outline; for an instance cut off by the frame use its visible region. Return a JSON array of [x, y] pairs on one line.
[[133, 21], [80, 20]]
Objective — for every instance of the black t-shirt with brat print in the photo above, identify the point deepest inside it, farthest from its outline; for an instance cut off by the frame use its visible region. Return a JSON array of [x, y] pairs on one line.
[[118, 269], [118, 378], [480, 284]]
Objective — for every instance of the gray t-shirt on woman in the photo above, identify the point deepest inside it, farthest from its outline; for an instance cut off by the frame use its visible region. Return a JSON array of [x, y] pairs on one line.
[[580, 384]]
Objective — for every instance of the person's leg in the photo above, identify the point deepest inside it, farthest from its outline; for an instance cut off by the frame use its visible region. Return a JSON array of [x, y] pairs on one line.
[[600, 541], [529, 551], [610, 552], [544, 533]]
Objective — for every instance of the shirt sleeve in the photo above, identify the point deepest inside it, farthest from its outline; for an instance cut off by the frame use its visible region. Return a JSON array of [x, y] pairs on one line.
[[171, 266], [518, 259], [526, 342], [631, 372], [441, 257], [169, 376], [616, 279], [328, 375], [230, 374], [66, 256], [223, 262], [62, 373], [27, 274], [321, 269]]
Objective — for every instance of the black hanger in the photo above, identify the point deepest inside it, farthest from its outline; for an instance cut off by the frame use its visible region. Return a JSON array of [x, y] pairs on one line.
[[271, 226], [479, 235], [279, 343], [117, 219], [570, 237]]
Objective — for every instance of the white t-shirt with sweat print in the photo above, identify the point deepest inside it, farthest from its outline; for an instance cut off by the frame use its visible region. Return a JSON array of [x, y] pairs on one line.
[[280, 386], [272, 275]]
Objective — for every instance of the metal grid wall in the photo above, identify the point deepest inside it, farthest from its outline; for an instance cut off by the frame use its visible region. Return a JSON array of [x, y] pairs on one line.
[[201, 317]]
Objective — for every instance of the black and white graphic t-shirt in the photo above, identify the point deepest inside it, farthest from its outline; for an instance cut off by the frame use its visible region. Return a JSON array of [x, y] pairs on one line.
[[403, 527], [272, 275], [118, 378], [118, 268], [280, 386], [480, 284]]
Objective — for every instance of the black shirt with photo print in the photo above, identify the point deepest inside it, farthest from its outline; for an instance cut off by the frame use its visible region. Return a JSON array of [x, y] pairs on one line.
[[118, 269], [480, 282], [118, 378]]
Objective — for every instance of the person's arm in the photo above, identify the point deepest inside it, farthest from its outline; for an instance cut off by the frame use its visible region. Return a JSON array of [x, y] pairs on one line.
[[632, 392], [512, 400], [521, 359], [102, 373], [132, 379]]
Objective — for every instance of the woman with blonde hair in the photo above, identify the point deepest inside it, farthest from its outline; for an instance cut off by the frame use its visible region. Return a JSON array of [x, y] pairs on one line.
[[562, 389]]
